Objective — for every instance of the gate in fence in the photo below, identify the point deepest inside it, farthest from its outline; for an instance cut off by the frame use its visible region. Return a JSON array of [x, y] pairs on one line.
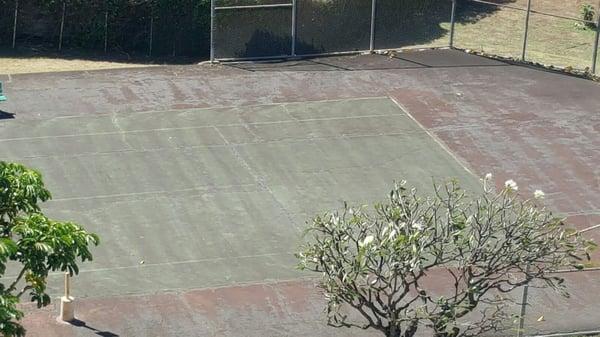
[[272, 29], [251, 31], [263, 29]]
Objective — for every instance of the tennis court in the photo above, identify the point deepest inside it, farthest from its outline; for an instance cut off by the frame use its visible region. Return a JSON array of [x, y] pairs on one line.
[[199, 179]]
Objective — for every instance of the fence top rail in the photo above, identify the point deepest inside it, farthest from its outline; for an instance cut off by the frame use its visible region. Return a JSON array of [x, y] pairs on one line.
[[533, 11], [283, 5], [562, 16]]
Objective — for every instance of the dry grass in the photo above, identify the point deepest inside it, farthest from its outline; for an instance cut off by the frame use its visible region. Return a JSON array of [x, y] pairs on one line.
[[21, 65], [551, 40]]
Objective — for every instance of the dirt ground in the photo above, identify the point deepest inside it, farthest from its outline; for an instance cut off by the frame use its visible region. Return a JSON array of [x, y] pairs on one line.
[[25, 65]]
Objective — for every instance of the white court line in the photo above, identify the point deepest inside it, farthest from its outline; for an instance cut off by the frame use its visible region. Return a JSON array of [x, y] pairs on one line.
[[207, 146], [434, 137], [589, 228], [466, 167], [193, 189], [173, 263], [582, 212], [201, 127], [166, 109]]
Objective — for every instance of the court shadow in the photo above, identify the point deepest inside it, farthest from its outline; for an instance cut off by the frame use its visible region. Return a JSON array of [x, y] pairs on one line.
[[441, 58], [264, 43], [6, 115], [82, 324]]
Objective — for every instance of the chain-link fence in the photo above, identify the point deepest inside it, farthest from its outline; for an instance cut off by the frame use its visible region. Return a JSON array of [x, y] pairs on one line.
[[6, 25], [551, 32], [143, 27]]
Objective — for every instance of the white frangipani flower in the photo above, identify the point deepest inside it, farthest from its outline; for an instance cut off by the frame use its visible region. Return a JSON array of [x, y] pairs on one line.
[[417, 226], [487, 180], [539, 194], [511, 185], [367, 241], [386, 229], [392, 234]]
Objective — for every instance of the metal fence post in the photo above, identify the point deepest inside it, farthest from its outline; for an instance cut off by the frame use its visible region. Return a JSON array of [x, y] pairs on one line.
[[373, 13], [212, 30], [523, 305], [151, 33], [15, 23], [526, 33], [452, 22], [294, 11], [106, 30], [62, 25], [595, 52]]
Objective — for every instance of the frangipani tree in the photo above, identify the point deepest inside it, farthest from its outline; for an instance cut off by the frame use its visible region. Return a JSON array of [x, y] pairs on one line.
[[34, 243], [418, 261]]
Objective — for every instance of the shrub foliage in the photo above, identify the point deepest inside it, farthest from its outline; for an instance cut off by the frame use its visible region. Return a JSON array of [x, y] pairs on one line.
[[418, 261]]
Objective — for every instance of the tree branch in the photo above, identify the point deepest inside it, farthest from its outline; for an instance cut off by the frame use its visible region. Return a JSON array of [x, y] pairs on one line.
[[13, 285]]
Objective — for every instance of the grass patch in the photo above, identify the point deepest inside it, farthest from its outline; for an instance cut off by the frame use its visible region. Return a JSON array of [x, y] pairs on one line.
[[551, 41]]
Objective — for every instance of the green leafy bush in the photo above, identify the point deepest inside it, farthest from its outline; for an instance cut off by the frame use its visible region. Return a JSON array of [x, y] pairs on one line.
[[587, 13], [33, 243]]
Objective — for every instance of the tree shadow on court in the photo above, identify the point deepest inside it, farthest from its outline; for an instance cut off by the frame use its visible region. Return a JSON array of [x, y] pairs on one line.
[[344, 25], [471, 12], [322, 26], [6, 115], [426, 23], [394, 61], [82, 324], [264, 43]]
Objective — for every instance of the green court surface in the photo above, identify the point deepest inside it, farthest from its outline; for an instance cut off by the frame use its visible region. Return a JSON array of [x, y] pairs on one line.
[[214, 197]]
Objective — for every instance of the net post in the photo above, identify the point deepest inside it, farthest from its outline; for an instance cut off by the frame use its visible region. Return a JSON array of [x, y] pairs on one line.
[[372, 36], [452, 23], [526, 30], [67, 303], [67, 285]]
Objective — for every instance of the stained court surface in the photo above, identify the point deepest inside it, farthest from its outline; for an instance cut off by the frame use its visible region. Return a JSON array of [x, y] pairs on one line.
[[199, 179], [210, 197]]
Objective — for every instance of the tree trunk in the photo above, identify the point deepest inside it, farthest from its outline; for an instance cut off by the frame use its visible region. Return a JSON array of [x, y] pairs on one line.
[[443, 333], [396, 330]]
